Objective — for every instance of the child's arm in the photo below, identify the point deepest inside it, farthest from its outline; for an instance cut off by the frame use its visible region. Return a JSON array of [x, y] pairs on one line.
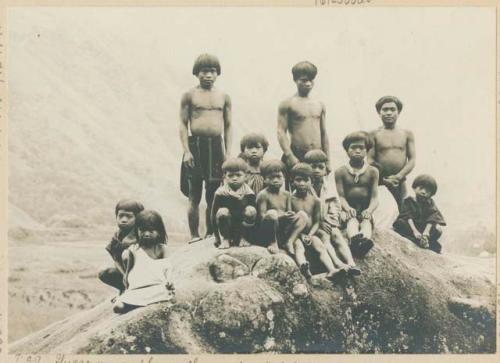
[[282, 136], [340, 190], [410, 155], [289, 209], [261, 205], [213, 214], [416, 233], [228, 134], [187, 158], [128, 261], [367, 213], [316, 218], [325, 143]]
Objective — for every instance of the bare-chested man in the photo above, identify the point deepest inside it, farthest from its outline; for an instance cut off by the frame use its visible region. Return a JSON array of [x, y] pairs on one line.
[[393, 152], [205, 133], [303, 118]]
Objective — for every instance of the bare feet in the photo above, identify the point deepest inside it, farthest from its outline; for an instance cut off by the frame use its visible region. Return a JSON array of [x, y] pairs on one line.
[[336, 275], [244, 243], [273, 248], [224, 244], [195, 239], [354, 271]]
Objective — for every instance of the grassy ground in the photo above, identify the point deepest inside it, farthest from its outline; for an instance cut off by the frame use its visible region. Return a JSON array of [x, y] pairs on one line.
[[53, 277]]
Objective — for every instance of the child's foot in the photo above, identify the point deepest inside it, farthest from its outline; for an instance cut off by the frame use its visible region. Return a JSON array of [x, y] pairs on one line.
[[273, 248], [336, 276], [424, 243], [244, 243], [354, 271], [224, 244], [304, 269], [195, 239]]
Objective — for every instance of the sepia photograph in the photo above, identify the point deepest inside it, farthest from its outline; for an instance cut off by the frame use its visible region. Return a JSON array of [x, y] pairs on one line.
[[253, 180]]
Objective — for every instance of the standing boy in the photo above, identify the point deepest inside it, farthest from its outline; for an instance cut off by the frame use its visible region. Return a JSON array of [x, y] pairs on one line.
[[253, 147], [233, 209], [357, 184], [303, 118], [393, 152], [206, 113]]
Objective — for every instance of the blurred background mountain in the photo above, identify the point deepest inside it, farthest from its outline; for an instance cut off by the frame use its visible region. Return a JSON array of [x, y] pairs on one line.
[[94, 99]]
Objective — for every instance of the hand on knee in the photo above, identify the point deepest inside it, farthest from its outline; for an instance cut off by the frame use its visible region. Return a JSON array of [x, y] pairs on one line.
[[271, 215], [249, 215], [223, 213]]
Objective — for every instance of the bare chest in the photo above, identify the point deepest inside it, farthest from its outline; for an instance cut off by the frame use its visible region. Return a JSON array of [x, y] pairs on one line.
[[394, 139], [305, 110], [207, 100]]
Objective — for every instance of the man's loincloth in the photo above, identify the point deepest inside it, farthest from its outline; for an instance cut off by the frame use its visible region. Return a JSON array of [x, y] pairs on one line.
[[208, 154]]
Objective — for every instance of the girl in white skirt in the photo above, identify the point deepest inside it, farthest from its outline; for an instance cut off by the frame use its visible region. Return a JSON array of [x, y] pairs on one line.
[[147, 268]]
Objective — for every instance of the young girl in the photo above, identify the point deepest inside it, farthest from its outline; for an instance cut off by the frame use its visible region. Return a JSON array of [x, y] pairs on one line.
[[146, 266]]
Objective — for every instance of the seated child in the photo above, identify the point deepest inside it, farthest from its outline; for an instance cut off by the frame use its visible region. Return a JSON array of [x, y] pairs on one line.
[[253, 148], [420, 220], [324, 188], [279, 225], [305, 203], [126, 211], [146, 268], [357, 184], [233, 210]]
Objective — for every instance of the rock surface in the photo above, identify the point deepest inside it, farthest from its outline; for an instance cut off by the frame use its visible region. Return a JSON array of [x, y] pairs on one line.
[[246, 300]]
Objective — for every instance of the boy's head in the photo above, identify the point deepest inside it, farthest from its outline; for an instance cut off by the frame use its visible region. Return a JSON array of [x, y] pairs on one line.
[[126, 211], [206, 68], [301, 176], [234, 170], [273, 173], [389, 107], [150, 228], [357, 144], [253, 146], [317, 159], [303, 75], [425, 186]]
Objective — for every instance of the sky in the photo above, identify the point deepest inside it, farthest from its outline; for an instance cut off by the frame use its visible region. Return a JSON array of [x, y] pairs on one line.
[[439, 61]]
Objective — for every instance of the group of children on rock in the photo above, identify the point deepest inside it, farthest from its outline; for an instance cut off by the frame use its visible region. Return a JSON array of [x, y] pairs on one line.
[[294, 204]]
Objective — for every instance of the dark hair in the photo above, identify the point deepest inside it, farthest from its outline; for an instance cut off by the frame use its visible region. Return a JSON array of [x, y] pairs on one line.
[[301, 169], [272, 166], [206, 61], [387, 99], [253, 139], [152, 219], [304, 68], [425, 181], [234, 164], [315, 156], [357, 136], [129, 205]]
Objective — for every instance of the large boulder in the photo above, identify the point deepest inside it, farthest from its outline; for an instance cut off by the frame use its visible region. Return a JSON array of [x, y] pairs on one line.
[[246, 300]]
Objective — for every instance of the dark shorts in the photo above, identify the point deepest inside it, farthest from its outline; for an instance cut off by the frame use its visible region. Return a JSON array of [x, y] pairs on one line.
[[208, 154]]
